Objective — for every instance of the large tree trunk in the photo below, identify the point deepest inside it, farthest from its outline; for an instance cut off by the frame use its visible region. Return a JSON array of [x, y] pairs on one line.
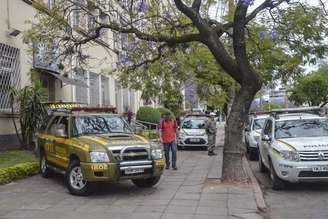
[[234, 148]]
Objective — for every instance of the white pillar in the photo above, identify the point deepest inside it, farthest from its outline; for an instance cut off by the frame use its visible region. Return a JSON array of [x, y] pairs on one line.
[[88, 89], [100, 90]]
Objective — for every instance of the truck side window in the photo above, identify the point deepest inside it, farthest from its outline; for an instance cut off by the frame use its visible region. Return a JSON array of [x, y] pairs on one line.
[[268, 128], [63, 123], [53, 125]]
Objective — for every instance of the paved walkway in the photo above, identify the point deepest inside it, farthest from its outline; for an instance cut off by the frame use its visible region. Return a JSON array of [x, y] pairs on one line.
[[186, 193]]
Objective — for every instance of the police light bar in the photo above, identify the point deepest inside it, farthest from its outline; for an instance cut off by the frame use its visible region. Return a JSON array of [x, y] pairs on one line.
[[315, 109], [300, 110], [94, 109], [259, 113]]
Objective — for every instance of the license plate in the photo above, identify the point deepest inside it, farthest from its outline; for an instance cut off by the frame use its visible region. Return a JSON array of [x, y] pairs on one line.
[[194, 140], [134, 171], [320, 169]]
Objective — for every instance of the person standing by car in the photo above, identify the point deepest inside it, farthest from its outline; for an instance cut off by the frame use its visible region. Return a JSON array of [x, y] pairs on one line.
[[167, 130], [210, 127]]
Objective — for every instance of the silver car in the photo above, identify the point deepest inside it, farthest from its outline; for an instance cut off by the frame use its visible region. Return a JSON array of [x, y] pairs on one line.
[[192, 132], [294, 148], [253, 134]]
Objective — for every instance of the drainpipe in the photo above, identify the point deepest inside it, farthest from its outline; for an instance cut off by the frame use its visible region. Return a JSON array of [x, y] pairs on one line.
[[8, 15]]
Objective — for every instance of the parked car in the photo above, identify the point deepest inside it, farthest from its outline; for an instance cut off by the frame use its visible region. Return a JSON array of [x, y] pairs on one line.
[[294, 147], [192, 132], [88, 147], [253, 133]]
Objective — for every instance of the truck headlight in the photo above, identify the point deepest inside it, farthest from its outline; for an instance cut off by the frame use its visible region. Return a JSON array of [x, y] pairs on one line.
[[99, 157], [157, 154], [290, 155]]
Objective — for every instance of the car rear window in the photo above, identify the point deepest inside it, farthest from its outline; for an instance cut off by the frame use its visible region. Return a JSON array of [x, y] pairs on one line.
[[194, 123]]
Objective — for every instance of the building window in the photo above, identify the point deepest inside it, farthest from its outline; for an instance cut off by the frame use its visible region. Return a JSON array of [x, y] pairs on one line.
[[105, 91], [81, 93], [94, 88], [76, 15], [51, 4], [9, 73]]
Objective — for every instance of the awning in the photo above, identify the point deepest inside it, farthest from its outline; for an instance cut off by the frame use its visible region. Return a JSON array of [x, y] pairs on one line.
[[66, 80]]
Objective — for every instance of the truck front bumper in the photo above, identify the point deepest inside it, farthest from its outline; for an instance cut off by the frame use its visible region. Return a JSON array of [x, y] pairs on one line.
[[302, 171], [111, 172]]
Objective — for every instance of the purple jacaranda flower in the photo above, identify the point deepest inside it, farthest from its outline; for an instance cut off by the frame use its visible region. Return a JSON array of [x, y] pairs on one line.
[[247, 2], [262, 35], [167, 15], [274, 34], [143, 7]]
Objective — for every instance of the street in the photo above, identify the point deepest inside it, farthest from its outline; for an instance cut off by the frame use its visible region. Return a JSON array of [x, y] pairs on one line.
[[186, 193], [300, 201]]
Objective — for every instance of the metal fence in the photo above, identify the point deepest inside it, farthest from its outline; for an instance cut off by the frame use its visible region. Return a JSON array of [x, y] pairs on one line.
[[9, 74]]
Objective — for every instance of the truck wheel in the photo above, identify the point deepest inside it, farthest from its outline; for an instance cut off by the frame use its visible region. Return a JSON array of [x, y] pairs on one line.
[[277, 183], [146, 183], [74, 180], [253, 154], [44, 169], [262, 167]]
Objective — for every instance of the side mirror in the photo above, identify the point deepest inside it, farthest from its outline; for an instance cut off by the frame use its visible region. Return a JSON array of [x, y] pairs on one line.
[[60, 132], [266, 138], [247, 129]]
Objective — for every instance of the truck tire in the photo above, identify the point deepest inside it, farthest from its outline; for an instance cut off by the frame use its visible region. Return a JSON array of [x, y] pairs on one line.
[[74, 180], [45, 171], [277, 183], [253, 154], [262, 167], [146, 183]]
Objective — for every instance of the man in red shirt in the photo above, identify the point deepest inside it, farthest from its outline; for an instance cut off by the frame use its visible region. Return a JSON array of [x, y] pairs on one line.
[[168, 128]]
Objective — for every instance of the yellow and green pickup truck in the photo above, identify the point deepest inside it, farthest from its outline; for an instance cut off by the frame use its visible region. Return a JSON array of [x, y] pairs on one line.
[[89, 147]]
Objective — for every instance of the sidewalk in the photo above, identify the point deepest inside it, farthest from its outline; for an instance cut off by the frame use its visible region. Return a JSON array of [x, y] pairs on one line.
[[186, 193]]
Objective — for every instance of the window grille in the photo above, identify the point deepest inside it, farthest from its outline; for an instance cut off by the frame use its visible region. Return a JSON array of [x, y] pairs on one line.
[[9, 74]]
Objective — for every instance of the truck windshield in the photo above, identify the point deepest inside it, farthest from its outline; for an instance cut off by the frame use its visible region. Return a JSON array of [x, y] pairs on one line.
[[301, 128], [258, 124], [98, 124], [194, 124]]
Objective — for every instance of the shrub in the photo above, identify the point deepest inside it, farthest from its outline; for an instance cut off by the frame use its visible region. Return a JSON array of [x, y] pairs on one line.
[[18, 171], [270, 106], [163, 109], [151, 134], [148, 114]]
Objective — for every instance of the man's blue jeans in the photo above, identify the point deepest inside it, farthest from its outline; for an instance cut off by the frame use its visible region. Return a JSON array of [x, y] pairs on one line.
[[172, 146]]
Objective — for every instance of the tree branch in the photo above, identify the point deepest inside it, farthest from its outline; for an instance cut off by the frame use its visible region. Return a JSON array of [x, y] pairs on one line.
[[255, 12], [239, 44], [196, 5]]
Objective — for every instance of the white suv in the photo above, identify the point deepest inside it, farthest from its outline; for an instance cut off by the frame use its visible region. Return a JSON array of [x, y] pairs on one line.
[[294, 147], [253, 134]]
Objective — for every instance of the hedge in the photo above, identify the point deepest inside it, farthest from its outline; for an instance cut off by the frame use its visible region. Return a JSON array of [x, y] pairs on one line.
[[151, 134], [163, 109], [148, 114], [271, 106], [18, 171]]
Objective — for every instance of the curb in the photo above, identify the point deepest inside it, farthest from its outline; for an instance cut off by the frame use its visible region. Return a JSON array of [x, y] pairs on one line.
[[259, 198]]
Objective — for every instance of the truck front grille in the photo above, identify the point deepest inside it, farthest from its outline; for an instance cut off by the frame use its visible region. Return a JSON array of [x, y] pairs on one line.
[[131, 153], [313, 155]]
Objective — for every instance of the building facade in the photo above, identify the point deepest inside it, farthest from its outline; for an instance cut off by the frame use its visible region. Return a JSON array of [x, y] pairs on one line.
[[93, 85]]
